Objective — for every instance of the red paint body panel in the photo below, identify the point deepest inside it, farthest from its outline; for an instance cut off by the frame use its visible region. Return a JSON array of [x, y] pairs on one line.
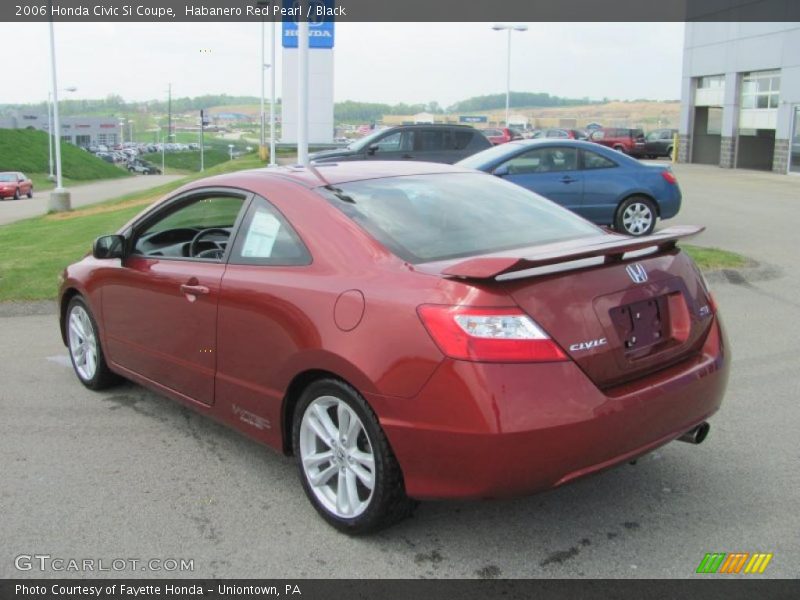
[[459, 429]]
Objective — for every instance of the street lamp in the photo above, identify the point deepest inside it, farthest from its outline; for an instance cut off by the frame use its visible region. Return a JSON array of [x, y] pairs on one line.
[[509, 28], [52, 176], [59, 197], [264, 67], [230, 150]]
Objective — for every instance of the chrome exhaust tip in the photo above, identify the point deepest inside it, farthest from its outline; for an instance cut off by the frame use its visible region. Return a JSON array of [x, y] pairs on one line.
[[696, 435]]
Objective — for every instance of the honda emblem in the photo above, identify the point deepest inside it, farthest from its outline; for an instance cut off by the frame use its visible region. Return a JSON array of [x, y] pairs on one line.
[[637, 273]]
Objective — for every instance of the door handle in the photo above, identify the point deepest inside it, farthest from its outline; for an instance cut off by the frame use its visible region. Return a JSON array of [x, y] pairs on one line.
[[407, 156], [567, 179], [194, 290]]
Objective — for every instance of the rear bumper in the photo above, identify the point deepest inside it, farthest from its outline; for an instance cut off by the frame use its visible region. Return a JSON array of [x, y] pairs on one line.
[[495, 430]]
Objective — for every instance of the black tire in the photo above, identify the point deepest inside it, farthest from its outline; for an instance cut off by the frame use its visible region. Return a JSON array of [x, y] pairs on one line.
[[16, 194], [102, 377], [669, 153], [388, 503], [30, 192], [620, 148], [626, 222]]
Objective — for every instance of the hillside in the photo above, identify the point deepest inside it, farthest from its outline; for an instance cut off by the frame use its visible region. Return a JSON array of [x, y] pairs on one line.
[[27, 151]]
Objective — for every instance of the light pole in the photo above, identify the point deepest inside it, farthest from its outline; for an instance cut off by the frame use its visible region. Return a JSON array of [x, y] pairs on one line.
[[52, 176], [59, 197], [509, 29], [230, 150], [302, 93]]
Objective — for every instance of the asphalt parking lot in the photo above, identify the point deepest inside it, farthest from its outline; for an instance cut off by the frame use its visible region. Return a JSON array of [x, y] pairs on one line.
[[128, 474]]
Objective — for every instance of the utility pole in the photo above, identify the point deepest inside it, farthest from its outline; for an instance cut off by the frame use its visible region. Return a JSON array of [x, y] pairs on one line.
[[202, 150], [169, 113]]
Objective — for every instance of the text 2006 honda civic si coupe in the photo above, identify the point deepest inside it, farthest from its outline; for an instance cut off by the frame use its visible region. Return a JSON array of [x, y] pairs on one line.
[[406, 330]]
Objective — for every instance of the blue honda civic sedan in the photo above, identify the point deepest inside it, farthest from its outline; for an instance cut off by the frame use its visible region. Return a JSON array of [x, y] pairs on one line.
[[604, 186]]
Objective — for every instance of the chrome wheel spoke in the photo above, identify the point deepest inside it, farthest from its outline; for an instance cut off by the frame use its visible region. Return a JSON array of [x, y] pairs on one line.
[[342, 500], [83, 345], [353, 500], [322, 477], [325, 420], [365, 476], [319, 430], [317, 459]]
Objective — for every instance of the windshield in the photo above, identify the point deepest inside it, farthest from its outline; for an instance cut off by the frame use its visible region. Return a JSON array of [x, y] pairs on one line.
[[425, 218], [8, 177], [359, 145]]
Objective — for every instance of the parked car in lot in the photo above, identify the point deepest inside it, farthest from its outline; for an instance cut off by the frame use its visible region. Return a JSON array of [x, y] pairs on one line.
[[14, 184], [572, 134], [405, 330], [629, 141], [429, 143], [143, 167], [502, 135], [659, 142], [602, 185]]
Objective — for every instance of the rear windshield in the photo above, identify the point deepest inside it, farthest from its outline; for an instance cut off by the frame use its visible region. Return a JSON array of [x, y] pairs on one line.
[[424, 218]]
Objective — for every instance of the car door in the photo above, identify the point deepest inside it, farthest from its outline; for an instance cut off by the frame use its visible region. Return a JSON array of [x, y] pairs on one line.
[[261, 326], [159, 305], [604, 183], [431, 145], [551, 171], [396, 145]]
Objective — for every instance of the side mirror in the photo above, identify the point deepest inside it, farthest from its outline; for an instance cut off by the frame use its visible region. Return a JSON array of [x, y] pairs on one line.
[[109, 246], [372, 149], [501, 171]]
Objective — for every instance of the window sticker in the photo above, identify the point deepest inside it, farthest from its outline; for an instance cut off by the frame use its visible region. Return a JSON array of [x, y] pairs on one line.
[[261, 236]]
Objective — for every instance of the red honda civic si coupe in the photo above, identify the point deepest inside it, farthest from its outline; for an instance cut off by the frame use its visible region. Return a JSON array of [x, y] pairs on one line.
[[405, 330]]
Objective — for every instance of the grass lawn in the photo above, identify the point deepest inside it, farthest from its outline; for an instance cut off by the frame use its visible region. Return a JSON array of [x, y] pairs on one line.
[[33, 252], [714, 259], [27, 151], [190, 160]]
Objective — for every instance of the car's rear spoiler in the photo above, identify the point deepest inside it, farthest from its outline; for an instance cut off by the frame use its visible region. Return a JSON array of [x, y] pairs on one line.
[[612, 247]]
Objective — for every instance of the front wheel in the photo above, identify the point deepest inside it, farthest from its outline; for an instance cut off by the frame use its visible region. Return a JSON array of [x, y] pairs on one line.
[[347, 468], [636, 216], [85, 351], [16, 194], [30, 192]]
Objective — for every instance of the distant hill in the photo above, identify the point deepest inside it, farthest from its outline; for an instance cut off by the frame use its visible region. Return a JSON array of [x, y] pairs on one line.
[[27, 150]]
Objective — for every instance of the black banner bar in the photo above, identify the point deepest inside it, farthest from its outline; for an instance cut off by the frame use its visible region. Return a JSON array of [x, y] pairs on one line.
[[399, 10], [705, 587]]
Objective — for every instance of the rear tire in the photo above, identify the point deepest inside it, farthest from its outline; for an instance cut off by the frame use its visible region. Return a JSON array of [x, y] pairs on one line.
[[347, 468], [619, 148], [636, 216], [85, 351]]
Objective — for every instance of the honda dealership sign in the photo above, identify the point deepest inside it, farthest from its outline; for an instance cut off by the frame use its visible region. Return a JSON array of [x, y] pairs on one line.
[[320, 27], [320, 70]]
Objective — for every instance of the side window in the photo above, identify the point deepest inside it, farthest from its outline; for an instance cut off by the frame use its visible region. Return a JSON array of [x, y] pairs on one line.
[[592, 160], [598, 135], [390, 143], [543, 160], [654, 135], [266, 238], [199, 227], [431, 140], [667, 135], [461, 139]]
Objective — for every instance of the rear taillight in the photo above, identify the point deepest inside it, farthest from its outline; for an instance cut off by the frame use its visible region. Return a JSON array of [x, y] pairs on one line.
[[488, 334], [669, 176]]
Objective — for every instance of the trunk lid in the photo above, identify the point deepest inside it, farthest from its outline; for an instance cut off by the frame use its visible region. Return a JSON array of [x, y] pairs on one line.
[[618, 315]]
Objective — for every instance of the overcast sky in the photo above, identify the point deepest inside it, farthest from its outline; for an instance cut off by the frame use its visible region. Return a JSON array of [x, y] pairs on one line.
[[379, 62]]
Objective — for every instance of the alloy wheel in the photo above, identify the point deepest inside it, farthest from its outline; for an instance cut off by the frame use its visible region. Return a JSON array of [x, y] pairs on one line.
[[82, 342], [337, 457]]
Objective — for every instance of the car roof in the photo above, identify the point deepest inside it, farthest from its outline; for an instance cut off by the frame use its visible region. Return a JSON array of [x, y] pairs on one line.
[[554, 142], [335, 173]]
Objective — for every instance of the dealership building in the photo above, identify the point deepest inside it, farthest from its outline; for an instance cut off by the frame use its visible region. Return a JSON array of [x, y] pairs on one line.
[[740, 96], [80, 131]]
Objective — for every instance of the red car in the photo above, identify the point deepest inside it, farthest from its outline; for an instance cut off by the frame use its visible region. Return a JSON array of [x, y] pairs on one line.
[[502, 135], [629, 141], [405, 330], [14, 184]]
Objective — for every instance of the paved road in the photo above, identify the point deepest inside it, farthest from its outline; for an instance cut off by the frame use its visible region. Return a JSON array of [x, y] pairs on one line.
[[128, 474], [82, 195]]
